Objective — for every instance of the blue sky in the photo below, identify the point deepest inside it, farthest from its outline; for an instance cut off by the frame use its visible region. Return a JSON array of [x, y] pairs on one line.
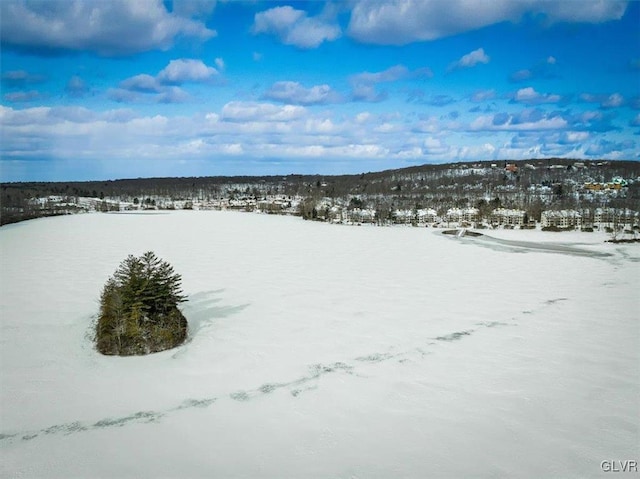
[[143, 88]]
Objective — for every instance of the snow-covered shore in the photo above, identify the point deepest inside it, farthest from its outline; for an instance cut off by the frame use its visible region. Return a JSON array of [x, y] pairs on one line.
[[321, 351]]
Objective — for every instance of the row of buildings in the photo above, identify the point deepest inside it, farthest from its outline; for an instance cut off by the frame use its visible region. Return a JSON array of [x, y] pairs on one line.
[[598, 218], [326, 210]]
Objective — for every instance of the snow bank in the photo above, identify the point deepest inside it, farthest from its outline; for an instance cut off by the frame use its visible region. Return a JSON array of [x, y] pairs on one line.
[[319, 351]]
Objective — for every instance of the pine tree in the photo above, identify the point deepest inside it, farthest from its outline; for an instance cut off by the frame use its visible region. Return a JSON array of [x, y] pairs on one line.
[[139, 308]]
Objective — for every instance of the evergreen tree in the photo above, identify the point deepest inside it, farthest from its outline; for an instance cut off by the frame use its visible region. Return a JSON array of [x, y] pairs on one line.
[[139, 308]]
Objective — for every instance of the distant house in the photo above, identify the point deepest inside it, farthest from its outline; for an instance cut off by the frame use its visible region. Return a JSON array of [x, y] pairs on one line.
[[561, 219], [511, 167], [503, 216]]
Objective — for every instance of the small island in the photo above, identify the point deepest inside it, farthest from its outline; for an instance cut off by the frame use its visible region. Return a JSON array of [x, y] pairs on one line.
[[139, 308]]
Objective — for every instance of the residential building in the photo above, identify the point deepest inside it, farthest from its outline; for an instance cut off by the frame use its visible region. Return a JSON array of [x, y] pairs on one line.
[[504, 216], [561, 219]]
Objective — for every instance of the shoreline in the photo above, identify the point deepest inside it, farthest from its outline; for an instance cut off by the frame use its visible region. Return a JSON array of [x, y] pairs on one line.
[[573, 237]]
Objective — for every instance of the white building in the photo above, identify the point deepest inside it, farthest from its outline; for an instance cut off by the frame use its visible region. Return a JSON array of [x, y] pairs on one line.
[[610, 216], [358, 215], [504, 216], [426, 216], [561, 219], [458, 215]]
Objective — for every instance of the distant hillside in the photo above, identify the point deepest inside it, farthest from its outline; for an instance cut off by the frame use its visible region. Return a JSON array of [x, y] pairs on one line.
[[529, 184]]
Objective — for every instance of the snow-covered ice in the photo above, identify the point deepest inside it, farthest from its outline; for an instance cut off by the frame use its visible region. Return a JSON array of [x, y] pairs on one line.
[[320, 350]]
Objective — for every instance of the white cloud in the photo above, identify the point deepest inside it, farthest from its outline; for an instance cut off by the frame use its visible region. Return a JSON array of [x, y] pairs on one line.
[[613, 100], [19, 78], [471, 59], [363, 84], [367, 93], [294, 27], [22, 96], [141, 83], [363, 117], [391, 74], [294, 92], [435, 146], [399, 22], [253, 111], [220, 64], [257, 130], [512, 123], [483, 95], [172, 94], [530, 96], [117, 27], [164, 87], [185, 70], [575, 136]]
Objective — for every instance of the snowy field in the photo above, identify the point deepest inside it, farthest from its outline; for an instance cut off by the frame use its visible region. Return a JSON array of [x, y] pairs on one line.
[[321, 351]]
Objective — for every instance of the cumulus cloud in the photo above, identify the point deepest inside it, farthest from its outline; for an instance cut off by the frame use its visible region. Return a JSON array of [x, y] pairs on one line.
[[527, 120], [172, 94], [532, 97], [469, 60], [295, 27], [184, 70], [292, 133], [607, 149], [593, 121], [571, 137], [613, 100], [141, 83], [122, 95], [254, 111], [363, 84], [117, 27], [399, 22], [295, 93], [435, 147], [165, 86], [391, 74]]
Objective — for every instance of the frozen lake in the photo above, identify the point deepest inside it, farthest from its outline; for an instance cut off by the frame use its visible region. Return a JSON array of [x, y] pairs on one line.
[[321, 351]]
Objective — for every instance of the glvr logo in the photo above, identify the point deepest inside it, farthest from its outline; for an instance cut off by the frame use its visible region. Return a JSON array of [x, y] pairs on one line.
[[630, 465]]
